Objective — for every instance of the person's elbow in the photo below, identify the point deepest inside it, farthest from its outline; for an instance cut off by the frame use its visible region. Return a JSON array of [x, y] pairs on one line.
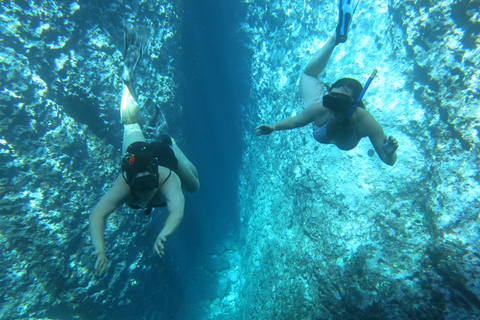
[[178, 207], [96, 221], [390, 163], [177, 215], [94, 217]]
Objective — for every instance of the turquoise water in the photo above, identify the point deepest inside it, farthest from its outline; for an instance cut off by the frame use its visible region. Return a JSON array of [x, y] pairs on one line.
[[283, 227]]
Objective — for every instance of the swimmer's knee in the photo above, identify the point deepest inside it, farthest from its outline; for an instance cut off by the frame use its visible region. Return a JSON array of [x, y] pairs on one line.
[[309, 73]]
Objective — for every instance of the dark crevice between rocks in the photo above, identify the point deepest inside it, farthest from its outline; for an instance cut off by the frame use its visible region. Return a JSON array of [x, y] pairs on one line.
[[430, 216], [444, 116], [461, 13], [443, 257], [86, 110], [423, 74]]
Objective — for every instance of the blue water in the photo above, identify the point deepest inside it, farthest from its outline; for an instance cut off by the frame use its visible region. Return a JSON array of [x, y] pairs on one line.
[[211, 72], [214, 84], [213, 87]]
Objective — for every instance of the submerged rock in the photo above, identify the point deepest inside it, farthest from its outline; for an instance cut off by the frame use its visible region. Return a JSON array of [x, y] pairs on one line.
[[331, 234], [217, 264]]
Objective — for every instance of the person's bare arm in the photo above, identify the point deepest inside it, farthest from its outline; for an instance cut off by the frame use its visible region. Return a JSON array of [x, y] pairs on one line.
[[172, 192], [305, 117], [113, 199], [385, 147]]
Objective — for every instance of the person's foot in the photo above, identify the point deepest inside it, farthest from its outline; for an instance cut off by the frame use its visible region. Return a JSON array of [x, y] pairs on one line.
[[128, 108], [346, 10]]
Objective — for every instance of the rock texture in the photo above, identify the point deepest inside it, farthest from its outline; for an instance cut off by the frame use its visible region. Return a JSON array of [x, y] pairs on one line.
[[326, 234], [59, 150]]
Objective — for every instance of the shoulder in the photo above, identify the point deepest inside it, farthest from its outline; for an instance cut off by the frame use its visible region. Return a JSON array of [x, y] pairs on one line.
[[318, 107], [170, 186], [119, 193], [366, 123], [316, 110], [120, 185], [164, 173], [363, 115], [167, 178]]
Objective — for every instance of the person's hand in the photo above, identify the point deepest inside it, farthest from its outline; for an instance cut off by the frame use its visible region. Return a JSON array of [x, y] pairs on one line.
[[159, 245], [102, 263], [390, 145], [264, 129]]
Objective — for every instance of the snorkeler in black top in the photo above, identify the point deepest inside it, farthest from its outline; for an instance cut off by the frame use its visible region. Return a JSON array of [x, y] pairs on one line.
[[153, 174]]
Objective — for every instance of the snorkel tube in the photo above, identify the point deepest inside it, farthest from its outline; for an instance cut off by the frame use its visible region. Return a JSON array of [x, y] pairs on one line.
[[365, 87]]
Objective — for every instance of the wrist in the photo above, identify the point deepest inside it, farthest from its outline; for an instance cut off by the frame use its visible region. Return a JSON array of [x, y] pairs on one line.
[[100, 252], [389, 152], [162, 235]]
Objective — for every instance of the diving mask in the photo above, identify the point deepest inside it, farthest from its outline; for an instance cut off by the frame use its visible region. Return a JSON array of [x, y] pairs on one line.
[[144, 184], [337, 102]]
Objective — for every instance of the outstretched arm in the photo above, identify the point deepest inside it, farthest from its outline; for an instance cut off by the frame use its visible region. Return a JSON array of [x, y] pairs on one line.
[[305, 117], [172, 191], [385, 147], [113, 199]]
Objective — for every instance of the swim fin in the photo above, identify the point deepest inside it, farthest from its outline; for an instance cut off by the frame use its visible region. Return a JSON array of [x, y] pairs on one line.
[[346, 10], [136, 41]]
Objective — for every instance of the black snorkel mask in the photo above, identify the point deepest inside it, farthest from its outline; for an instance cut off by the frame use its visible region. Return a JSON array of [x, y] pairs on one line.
[[144, 184], [337, 102]]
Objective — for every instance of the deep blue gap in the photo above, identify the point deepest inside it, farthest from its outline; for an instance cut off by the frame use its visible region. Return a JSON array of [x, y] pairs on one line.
[[211, 76], [213, 84]]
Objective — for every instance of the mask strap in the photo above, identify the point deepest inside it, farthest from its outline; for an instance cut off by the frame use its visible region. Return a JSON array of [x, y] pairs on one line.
[[169, 174], [125, 178]]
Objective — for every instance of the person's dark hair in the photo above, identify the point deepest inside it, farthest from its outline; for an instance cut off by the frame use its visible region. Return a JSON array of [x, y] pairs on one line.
[[354, 85], [138, 158]]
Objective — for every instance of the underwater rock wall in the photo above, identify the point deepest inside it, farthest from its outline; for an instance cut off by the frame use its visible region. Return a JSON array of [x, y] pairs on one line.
[[328, 234], [60, 139]]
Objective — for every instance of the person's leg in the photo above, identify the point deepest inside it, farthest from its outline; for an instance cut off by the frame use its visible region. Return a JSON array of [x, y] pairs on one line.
[[129, 116], [136, 41], [186, 170], [311, 89]]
